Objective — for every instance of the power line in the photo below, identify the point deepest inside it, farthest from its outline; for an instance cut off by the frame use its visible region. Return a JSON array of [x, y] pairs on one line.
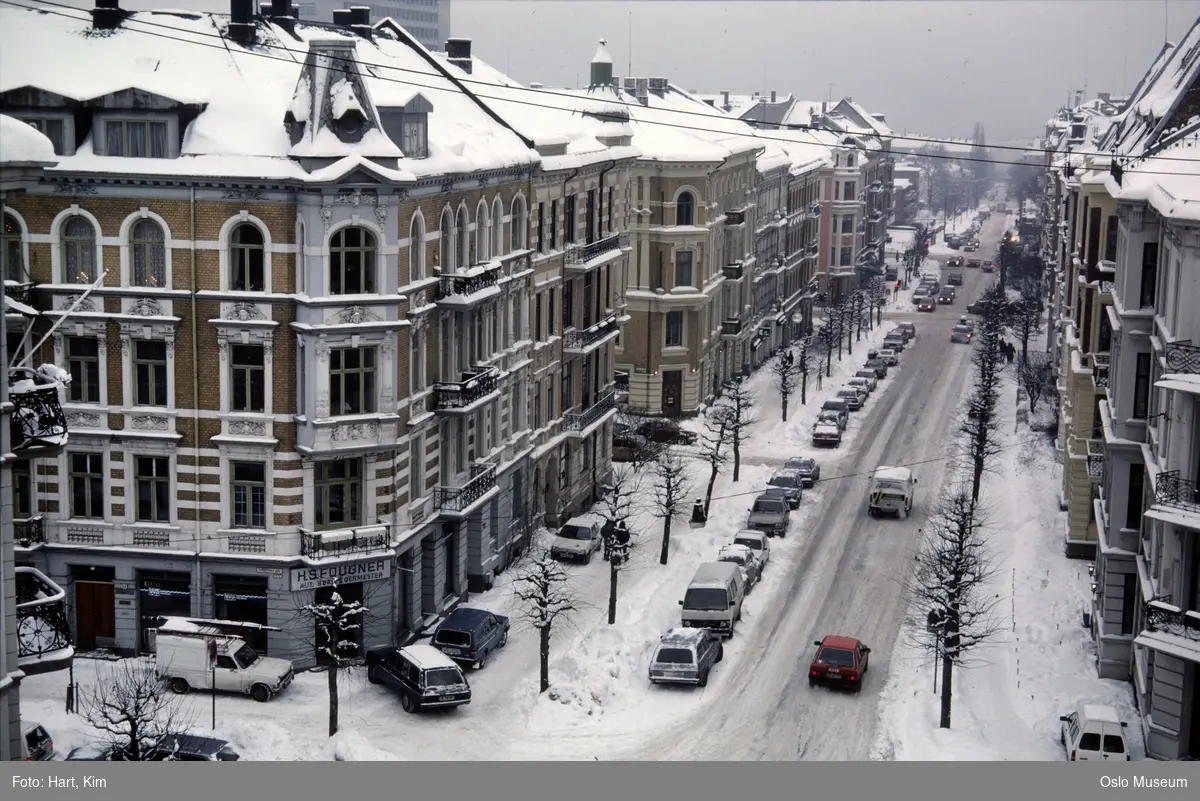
[[752, 134]]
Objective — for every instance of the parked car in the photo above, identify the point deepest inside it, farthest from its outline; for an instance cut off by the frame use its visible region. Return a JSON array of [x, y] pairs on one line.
[[960, 335], [769, 515], [902, 331], [911, 328], [807, 468], [792, 483], [171, 748], [183, 660], [685, 656], [853, 397], [894, 342], [927, 304], [869, 376], [421, 675], [839, 662], [36, 743], [920, 293], [828, 417], [975, 308], [714, 597], [946, 297], [880, 367], [1094, 733], [744, 558], [469, 636], [581, 537], [664, 431], [630, 447], [827, 435], [839, 406], [955, 261], [967, 321], [758, 543], [861, 383], [889, 356], [954, 279]]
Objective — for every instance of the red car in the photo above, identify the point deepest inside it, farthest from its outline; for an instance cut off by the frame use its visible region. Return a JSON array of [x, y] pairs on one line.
[[989, 266], [927, 304], [840, 662]]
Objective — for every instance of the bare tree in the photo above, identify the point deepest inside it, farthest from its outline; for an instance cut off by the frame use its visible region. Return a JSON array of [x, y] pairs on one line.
[[740, 405], [671, 488], [715, 439], [615, 507], [788, 376], [1037, 379], [338, 624], [980, 423], [545, 596], [828, 335], [951, 583], [1025, 319], [133, 709]]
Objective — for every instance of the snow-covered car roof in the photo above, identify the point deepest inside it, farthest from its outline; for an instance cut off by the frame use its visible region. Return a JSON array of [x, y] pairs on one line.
[[893, 473], [585, 520], [826, 429], [735, 549], [749, 533], [427, 657], [681, 637]]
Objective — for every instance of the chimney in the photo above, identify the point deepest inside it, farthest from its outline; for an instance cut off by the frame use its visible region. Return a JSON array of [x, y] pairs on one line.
[[360, 21], [1104, 97], [241, 21], [602, 66], [725, 100], [282, 13], [108, 14], [343, 17], [772, 95], [459, 53], [536, 85]]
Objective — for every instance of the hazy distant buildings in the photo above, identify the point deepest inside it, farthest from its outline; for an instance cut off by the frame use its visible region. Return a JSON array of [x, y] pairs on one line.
[[427, 20]]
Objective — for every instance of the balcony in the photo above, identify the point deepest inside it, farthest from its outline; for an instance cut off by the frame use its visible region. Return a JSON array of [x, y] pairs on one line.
[[344, 542], [580, 256], [29, 532], [43, 628], [1095, 459], [39, 426], [1183, 357], [20, 291], [733, 272], [1176, 492], [1100, 369], [731, 328], [1164, 618], [460, 501], [579, 423], [585, 340], [468, 394], [735, 217], [470, 287]]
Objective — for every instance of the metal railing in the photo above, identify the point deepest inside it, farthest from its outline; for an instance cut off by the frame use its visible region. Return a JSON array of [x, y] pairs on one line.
[[39, 425], [457, 285], [731, 327], [461, 394], [20, 291], [1173, 490], [580, 338], [1095, 458], [361, 539], [1183, 357], [578, 421], [458, 499], [1167, 619], [43, 628], [29, 531], [578, 254], [733, 272]]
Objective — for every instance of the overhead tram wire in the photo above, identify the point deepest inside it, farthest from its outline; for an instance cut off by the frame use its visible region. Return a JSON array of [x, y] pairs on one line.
[[128, 25]]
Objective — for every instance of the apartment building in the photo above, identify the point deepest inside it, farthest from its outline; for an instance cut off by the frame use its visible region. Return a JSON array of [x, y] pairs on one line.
[[1146, 607], [428, 21], [298, 301]]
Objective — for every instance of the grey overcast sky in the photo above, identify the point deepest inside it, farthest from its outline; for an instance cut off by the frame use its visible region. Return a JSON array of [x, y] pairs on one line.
[[933, 67]]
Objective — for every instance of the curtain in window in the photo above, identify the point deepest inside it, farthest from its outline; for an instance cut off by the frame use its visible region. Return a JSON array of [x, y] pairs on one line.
[[446, 242], [79, 251], [149, 255], [112, 138], [135, 138]]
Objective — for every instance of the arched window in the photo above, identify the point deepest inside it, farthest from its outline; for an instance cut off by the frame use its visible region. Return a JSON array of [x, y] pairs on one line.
[[416, 249], [685, 209], [14, 255], [483, 232], [246, 259], [519, 225], [148, 254], [462, 227], [301, 262], [352, 255], [497, 228], [79, 251], [446, 242]]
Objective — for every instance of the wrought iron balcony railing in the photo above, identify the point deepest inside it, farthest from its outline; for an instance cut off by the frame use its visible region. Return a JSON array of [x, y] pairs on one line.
[[1095, 458], [43, 627], [733, 272], [340, 542], [580, 420], [30, 531], [450, 286], [735, 217], [459, 499], [39, 425], [474, 386], [731, 327], [1165, 618], [579, 254], [584, 338], [1173, 490], [20, 291], [1183, 357]]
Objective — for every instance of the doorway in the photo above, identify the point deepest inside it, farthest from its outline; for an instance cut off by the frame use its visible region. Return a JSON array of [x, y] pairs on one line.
[[95, 618], [672, 391], [161, 594]]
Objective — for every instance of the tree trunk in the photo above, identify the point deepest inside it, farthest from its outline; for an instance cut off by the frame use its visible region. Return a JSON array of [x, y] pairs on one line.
[[829, 359], [612, 591], [1025, 334], [544, 658], [784, 395], [803, 382], [950, 655], [712, 480], [332, 672], [666, 542], [737, 455], [981, 437]]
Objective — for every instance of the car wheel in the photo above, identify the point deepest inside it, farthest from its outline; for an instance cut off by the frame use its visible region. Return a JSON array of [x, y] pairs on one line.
[[720, 652], [373, 674], [587, 559], [503, 640], [871, 511], [703, 680], [407, 704], [179, 686], [812, 682], [260, 693], [481, 661]]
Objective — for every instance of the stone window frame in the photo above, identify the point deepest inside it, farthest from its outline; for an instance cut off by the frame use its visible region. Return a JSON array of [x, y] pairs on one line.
[[92, 447], [417, 255], [22, 236], [225, 262], [245, 324], [150, 449], [126, 250], [86, 329], [245, 452], [149, 332], [57, 254], [384, 342]]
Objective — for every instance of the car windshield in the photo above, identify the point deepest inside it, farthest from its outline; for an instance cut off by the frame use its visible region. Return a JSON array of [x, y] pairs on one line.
[[245, 656], [776, 492], [752, 544], [768, 505], [451, 637], [836, 657], [784, 481], [706, 599], [737, 557], [801, 464], [570, 532], [227, 754], [442, 677], [674, 656]]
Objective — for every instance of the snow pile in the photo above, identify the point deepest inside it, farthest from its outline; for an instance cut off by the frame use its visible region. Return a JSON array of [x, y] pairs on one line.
[[24, 144], [350, 746]]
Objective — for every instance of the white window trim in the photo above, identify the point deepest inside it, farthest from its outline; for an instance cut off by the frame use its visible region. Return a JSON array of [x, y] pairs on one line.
[[414, 387], [90, 329], [151, 333], [697, 205], [462, 234], [385, 367], [380, 255], [309, 514], [132, 451], [246, 453], [227, 337], [498, 246], [483, 232], [126, 236], [23, 230], [447, 249], [94, 446], [675, 266], [301, 265], [520, 218], [224, 238], [422, 255], [56, 240]]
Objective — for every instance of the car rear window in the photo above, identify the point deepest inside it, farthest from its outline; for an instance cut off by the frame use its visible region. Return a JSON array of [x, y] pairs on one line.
[[706, 599], [754, 545], [768, 505], [674, 656], [36, 739], [1114, 744], [442, 677], [836, 657], [451, 637], [1089, 742]]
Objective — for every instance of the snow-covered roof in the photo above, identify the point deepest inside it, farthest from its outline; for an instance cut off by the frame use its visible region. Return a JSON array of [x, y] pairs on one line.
[[802, 112], [23, 144], [1181, 382], [1169, 182], [901, 183], [1099, 713], [892, 473], [427, 657], [602, 56], [859, 114]]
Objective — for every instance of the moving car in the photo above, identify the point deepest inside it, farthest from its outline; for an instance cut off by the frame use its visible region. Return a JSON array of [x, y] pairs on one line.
[[927, 304], [744, 558], [685, 656], [1094, 733], [770, 515], [758, 543], [421, 675], [960, 335], [976, 263], [806, 467], [891, 491], [989, 266], [967, 321], [664, 431], [911, 328], [581, 537], [947, 296], [839, 662], [791, 483], [889, 356], [955, 261], [971, 246], [826, 435], [853, 397], [954, 279], [714, 596], [469, 636]]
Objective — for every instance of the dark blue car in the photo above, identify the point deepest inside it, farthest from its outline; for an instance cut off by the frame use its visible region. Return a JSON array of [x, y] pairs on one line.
[[469, 636]]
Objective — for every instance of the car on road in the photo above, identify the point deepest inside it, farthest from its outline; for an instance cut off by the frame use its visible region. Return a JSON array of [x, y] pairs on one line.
[[910, 328], [853, 398], [927, 304], [920, 293], [955, 261], [837, 406], [664, 431], [902, 331], [953, 242], [806, 467], [630, 447], [827, 417], [423, 677], [469, 635], [36, 743], [827, 435], [889, 356], [960, 335], [770, 515], [861, 383], [869, 375], [954, 279], [894, 342], [971, 246], [685, 656], [989, 266], [967, 321], [581, 537], [1094, 733], [879, 366], [792, 484], [839, 662], [946, 297], [757, 542], [744, 558], [975, 308]]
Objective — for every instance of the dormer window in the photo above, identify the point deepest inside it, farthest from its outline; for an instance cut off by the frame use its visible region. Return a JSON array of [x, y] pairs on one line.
[[414, 140], [52, 129], [136, 139]]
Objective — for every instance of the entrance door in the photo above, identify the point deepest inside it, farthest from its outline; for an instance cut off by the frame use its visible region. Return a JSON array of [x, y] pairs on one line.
[[95, 618], [672, 391]]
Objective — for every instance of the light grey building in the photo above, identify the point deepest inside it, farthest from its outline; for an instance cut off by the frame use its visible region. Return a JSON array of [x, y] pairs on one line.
[[427, 20]]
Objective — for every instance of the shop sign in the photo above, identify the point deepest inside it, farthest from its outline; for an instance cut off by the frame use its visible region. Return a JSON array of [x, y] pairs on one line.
[[310, 578]]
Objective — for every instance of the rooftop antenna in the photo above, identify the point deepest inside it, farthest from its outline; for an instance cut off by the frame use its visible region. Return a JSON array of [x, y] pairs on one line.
[[1166, 21], [830, 98], [629, 64]]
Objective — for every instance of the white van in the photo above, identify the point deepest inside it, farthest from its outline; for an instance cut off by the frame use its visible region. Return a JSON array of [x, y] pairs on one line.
[[1094, 733], [182, 658], [714, 598], [891, 492]]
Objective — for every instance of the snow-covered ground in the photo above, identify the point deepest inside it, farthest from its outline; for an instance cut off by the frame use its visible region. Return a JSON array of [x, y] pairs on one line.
[[1042, 662]]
